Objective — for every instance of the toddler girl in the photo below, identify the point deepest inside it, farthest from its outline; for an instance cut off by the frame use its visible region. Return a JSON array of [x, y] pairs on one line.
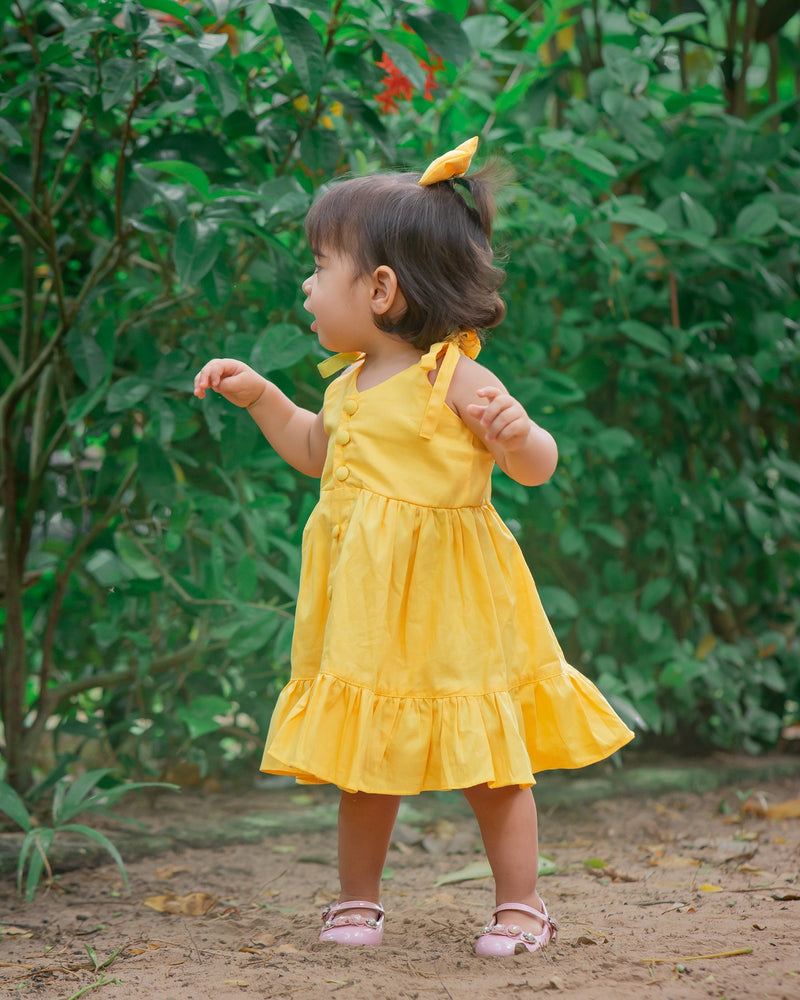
[[422, 658]]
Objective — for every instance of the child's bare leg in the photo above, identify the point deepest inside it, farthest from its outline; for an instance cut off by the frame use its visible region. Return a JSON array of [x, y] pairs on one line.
[[508, 823], [365, 829]]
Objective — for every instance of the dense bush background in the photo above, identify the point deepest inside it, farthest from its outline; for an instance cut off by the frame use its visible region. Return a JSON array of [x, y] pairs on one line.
[[156, 166]]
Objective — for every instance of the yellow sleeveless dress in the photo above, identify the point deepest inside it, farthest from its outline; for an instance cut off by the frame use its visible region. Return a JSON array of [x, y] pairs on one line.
[[422, 658]]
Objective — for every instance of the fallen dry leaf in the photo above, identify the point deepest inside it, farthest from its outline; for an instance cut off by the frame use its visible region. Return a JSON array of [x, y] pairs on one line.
[[790, 809], [195, 904], [15, 932], [709, 887], [673, 861], [613, 874], [756, 805], [478, 869], [170, 872]]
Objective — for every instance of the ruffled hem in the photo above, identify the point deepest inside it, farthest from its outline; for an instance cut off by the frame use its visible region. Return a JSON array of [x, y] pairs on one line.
[[328, 731]]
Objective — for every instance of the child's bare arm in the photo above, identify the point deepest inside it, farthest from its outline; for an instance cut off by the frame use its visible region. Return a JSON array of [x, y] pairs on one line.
[[524, 451], [297, 435]]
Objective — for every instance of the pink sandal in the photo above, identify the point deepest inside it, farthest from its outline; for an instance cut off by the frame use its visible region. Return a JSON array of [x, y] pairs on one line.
[[352, 928], [499, 940]]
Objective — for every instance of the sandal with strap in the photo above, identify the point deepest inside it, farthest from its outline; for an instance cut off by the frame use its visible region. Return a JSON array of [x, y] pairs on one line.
[[500, 940], [352, 928]]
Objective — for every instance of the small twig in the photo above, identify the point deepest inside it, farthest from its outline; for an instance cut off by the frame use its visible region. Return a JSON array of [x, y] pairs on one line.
[[441, 983], [699, 958], [194, 943], [102, 981]]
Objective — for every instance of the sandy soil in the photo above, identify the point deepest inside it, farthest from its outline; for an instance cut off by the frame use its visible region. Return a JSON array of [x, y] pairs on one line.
[[642, 887]]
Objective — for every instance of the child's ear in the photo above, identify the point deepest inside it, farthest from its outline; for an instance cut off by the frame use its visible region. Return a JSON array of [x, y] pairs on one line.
[[385, 294]]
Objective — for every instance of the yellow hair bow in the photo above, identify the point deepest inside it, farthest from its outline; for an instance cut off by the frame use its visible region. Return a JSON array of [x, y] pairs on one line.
[[452, 164], [467, 342]]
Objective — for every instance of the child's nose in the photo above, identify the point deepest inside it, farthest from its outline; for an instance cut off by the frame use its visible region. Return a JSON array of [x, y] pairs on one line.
[[306, 286]]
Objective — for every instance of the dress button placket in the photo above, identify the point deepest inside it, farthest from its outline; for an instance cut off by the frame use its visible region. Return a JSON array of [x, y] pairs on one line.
[[341, 472], [342, 438]]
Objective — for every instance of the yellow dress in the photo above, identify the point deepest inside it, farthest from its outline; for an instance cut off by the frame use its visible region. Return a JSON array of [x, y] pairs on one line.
[[422, 658]]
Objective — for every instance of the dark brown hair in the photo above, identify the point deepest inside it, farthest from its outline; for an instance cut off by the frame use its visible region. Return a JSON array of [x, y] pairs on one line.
[[434, 240]]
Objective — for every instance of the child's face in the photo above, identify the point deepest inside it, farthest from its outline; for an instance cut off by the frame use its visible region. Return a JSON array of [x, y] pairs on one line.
[[339, 300]]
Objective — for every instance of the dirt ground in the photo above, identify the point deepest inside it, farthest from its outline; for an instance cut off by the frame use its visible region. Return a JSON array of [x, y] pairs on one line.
[[669, 896]]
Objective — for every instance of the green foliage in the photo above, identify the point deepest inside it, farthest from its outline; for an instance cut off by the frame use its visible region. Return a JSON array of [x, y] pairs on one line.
[[155, 168], [70, 800]]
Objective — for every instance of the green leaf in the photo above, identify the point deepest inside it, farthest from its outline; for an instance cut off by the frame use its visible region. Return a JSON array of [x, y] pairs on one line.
[[37, 843], [610, 534], [107, 569], [559, 603], [698, 219], [613, 442], [73, 801], [678, 673], [594, 160], [126, 393], [650, 626], [441, 32], [195, 53], [197, 245], [171, 7], [303, 46], [252, 636], [223, 89], [135, 559], [103, 841], [757, 520], [282, 346], [86, 354], [12, 805], [597, 863], [756, 220], [156, 473], [187, 172], [646, 336], [643, 218], [485, 32], [118, 77], [474, 870], [654, 591], [200, 714], [682, 21], [246, 576], [10, 134], [458, 8]]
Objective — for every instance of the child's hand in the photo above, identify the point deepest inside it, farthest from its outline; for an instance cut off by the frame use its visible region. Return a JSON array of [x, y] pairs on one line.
[[503, 417], [234, 380]]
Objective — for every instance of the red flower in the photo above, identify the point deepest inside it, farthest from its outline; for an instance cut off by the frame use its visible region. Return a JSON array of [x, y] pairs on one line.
[[397, 85], [430, 80]]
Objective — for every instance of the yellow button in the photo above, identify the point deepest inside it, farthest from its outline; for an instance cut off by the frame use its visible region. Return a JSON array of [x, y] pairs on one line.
[[350, 406], [342, 473], [337, 530], [342, 436]]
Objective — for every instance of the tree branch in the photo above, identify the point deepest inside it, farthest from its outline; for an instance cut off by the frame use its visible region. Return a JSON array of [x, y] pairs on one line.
[[62, 581], [205, 602], [24, 228], [63, 161], [113, 678]]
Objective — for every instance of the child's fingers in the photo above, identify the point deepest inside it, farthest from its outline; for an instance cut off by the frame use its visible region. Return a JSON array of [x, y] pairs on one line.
[[209, 376], [476, 410]]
